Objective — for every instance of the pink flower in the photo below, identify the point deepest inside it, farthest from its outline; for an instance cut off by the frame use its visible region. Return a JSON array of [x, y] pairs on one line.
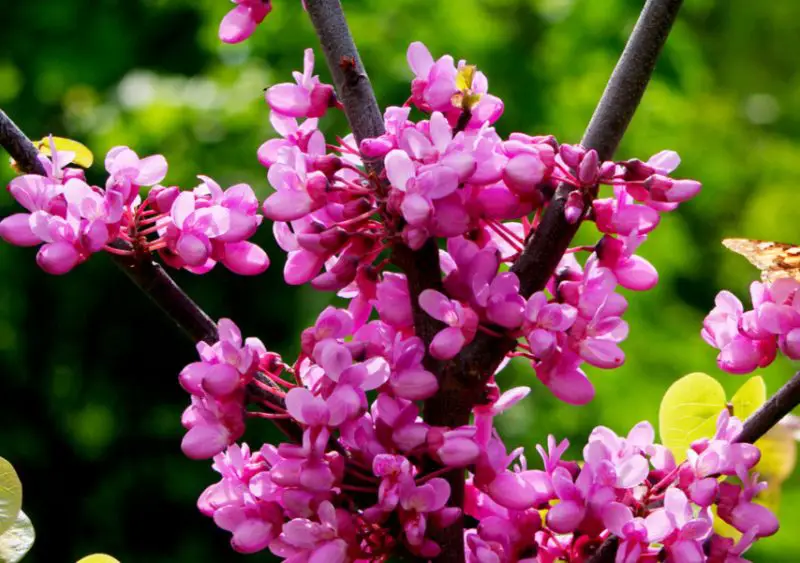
[[739, 353], [299, 192], [636, 533], [461, 323], [323, 539], [306, 137], [307, 98], [240, 22], [543, 321], [127, 172], [632, 272], [419, 503], [625, 456]]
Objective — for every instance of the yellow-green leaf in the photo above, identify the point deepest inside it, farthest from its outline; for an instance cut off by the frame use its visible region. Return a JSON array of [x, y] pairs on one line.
[[83, 156], [749, 397], [689, 411], [17, 540], [778, 455], [98, 558], [10, 495]]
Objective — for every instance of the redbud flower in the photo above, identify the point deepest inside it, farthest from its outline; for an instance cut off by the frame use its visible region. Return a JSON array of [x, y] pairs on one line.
[[462, 323], [240, 22], [127, 172], [308, 98]]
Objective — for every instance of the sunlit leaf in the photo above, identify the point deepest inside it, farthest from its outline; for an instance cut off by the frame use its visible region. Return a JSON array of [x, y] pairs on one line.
[[10, 495], [83, 156], [17, 540], [689, 410], [98, 558], [749, 397], [778, 455]]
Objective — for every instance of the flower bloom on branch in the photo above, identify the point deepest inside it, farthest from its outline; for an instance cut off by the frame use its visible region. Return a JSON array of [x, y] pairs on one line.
[[362, 472], [191, 229], [751, 339]]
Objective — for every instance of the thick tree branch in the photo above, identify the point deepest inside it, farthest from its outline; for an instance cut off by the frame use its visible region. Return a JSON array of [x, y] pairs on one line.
[[363, 113], [611, 117], [349, 77]]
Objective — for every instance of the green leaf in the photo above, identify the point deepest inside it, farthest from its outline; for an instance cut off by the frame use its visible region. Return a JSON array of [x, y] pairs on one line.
[[10, 495], [689, 410], [778, 455], [749, 397], [17, 540]]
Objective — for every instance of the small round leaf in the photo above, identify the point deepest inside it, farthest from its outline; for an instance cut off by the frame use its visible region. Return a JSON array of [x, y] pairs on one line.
[[17, 540], [10, 495]]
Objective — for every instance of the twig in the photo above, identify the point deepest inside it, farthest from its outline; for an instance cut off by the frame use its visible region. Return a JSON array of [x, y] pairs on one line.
[[145, 272]]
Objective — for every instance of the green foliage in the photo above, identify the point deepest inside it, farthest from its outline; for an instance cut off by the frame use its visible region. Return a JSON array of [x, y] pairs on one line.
[[92, 403]]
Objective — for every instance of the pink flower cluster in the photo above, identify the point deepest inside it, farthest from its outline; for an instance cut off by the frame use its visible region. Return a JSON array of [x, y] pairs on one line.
[[627, 487], [347, 447], [299, 500], [217, 383], [750, 339], [73, 220], [452, 176]]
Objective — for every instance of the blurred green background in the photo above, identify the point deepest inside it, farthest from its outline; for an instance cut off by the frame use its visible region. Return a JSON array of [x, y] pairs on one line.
[[88, 367]]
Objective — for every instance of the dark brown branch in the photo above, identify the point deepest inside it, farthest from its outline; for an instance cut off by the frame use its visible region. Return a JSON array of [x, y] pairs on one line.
[[544, 250], [151, 278], [422, 266], [364, 115], [349, 77], [145, 272], [604, 132], [19, 147], [771, 412]]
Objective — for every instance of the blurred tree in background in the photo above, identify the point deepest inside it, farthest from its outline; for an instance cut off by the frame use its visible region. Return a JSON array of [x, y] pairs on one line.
[[88, 368]]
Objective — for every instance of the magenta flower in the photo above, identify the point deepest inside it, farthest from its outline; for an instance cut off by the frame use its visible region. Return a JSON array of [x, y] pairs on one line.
[[739, 353], [461, 323], [307, 98], [299, 192], [323, 539], [418, 504], [632, 272], [240, 22], [543, 322], [684, 541], [636, 533], [192, 229], [306, 137], [621, 215], [127, 172], [624, 456], [587, 495]]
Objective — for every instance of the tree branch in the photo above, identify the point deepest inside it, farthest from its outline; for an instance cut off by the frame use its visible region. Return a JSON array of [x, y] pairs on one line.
[[145, 272], [611, 117], [349, 77], [141, 269], [771, 412]]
